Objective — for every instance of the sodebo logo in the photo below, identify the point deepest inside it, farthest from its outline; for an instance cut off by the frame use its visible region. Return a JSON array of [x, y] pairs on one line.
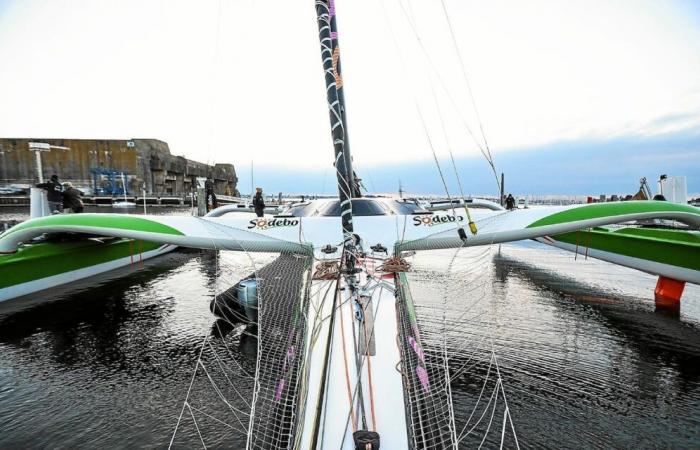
[[264, 224], [429, 221]]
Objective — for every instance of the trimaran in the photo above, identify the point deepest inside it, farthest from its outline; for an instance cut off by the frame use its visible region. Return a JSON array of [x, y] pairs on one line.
[[349, 368]]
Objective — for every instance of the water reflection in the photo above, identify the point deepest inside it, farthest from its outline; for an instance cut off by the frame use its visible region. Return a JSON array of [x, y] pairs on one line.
[[654, 335], [585, 363], [119, 354], [585, 359]]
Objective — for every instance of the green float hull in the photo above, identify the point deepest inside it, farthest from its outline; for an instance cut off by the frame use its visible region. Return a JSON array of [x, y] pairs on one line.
[[39, 266], [664, 250]]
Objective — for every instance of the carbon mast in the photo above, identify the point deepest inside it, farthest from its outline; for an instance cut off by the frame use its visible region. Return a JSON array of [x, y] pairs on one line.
[[347, 186]]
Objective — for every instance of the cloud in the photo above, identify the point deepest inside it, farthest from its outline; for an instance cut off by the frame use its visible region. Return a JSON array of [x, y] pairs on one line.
[[581, 167], [241, 81]]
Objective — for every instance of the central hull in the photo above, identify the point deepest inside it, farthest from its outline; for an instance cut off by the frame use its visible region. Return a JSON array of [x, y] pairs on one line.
[[358, 385]]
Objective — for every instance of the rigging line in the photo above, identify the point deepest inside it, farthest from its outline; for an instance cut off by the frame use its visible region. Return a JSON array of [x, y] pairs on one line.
[[415, 99], [315, 331], [358, 366], [362, 362], [493, 411], [448, 379], [456, 322], [228, 350], [216, 388], [414, 28], [483, 387], [447, 139], [229, 310], [449, 148], [464, 74], [223, 370], [313, 340], [256, 388], [457, 373], [472, 226], [218, 420], [437, 163], [498, 373], [371, 181], [505, 401], [196, 426], [503, 429], [222, 396], [369, 366], [492, 397], [430, 61], [189, 389], [347, 372], [499, 387], [320, 405]]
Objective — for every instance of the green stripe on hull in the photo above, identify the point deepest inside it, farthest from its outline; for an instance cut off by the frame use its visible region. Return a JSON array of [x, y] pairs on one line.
[[36, 261], [673, 247], [600, 210], [403, 285], [118, 221]]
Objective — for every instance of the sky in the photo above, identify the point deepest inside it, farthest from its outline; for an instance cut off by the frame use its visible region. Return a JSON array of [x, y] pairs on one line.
[[577, 97]]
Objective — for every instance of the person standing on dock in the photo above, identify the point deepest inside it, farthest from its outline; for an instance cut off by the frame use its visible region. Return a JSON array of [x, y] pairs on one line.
[[259, 202], [212, 202], [54, 195], [71, 199], [510, 202]]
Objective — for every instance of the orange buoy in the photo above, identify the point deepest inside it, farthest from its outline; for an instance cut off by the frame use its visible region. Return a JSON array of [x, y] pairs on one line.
[[668, 293]]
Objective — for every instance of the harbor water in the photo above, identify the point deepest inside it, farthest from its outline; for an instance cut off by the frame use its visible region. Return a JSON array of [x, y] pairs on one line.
[[586, 360]]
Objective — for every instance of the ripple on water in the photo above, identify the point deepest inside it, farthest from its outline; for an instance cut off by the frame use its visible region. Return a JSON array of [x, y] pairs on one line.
[[585, 359]]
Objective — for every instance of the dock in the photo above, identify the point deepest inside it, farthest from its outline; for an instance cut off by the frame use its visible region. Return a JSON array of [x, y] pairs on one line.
[[109, 200]]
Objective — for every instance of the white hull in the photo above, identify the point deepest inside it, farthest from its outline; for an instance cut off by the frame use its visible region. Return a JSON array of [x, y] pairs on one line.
[[335, 427]]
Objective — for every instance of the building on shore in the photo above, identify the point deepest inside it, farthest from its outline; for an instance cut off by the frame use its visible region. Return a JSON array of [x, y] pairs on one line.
[[91, 163]]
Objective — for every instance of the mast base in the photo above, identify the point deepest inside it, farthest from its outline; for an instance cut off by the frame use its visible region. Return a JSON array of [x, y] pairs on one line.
[[366, 440]]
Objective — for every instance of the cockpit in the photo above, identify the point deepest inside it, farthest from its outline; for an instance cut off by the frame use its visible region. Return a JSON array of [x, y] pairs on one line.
[[360, 207]]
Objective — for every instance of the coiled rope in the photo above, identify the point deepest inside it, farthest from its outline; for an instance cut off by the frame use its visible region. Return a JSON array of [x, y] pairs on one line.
[[395, 264], [327, 270]]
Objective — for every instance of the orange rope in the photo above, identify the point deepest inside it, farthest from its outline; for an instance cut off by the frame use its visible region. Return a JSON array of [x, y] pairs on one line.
[[369, 371], [347, 373]]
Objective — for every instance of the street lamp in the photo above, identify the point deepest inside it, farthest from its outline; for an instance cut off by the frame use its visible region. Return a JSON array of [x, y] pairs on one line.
[[37, 148]]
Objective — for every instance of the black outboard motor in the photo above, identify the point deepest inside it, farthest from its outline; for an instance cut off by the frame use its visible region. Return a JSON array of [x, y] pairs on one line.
[[239, 303], [225, 306]]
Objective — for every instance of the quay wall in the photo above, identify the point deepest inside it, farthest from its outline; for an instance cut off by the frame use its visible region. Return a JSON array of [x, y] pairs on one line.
[[144, 161]]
